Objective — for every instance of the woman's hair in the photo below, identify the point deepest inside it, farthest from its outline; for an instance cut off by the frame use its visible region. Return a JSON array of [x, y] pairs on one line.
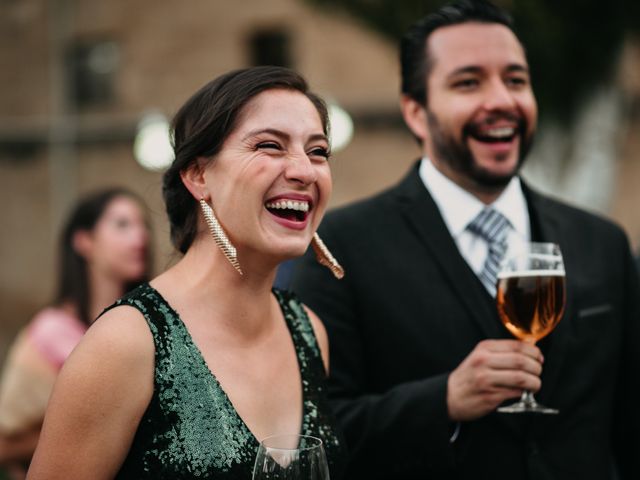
[[203, 124], [73, 277]]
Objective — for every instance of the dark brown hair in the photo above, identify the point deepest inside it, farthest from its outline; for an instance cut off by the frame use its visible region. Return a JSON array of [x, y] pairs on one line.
[[415, 62], [202, 125], [73, 278]]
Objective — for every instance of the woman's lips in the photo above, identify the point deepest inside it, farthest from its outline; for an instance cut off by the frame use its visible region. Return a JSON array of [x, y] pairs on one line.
[[291, 211]]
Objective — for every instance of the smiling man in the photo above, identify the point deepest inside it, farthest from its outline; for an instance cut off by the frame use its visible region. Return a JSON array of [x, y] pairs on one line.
[[419, 358]]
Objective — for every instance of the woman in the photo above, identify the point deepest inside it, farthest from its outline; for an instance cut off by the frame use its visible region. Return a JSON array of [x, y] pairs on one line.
[[103, 255], [213, 360]]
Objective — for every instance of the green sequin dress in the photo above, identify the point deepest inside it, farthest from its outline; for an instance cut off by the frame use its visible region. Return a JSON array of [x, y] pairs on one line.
[[190, 429]]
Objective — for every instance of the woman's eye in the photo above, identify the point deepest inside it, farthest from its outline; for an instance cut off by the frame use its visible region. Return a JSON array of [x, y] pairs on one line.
[[320, 152], [268, 146], [122, 223]]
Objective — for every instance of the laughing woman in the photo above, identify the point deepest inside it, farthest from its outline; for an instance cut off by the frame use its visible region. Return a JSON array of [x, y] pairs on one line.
[[182, 377]]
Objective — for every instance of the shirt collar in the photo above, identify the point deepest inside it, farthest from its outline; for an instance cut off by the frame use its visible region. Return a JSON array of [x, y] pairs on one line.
[[459, 207]]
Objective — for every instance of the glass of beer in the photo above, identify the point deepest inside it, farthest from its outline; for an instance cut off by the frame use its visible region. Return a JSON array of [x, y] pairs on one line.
[[530, 299]]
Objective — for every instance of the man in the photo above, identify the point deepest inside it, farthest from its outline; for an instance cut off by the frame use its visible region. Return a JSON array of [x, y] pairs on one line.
[[419, 358]]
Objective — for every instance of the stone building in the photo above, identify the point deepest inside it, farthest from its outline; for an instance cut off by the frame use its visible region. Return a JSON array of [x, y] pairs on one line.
[[78, 75]]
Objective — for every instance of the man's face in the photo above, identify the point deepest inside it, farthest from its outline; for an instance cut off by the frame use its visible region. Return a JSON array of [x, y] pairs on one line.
[[481, 113]]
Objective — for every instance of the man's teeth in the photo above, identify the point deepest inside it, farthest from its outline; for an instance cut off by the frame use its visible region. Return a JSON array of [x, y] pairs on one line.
[[290, 205], [500, 132]]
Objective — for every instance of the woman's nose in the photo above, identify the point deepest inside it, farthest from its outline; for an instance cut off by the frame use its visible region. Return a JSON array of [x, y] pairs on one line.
[[300, 169]]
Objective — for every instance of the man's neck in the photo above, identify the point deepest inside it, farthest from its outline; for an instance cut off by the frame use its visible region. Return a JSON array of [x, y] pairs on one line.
[[486, 194]]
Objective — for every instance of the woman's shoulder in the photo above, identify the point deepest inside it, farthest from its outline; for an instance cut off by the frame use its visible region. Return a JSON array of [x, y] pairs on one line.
[[143, 298], [119, 342], [54, 317], [122, 328], [54, 332]]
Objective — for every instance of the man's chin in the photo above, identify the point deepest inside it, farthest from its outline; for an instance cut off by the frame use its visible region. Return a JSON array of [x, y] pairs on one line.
[[491, 181]]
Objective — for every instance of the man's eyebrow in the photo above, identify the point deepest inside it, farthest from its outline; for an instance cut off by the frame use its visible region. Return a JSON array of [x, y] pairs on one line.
[[517, 67], [466, 69], [475, 69]]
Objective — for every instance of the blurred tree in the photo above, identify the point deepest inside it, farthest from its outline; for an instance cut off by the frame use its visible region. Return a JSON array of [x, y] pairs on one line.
[[572, 45], [573, 48]]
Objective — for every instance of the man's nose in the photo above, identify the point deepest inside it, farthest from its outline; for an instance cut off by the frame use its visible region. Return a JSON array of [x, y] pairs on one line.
[[499, 96]]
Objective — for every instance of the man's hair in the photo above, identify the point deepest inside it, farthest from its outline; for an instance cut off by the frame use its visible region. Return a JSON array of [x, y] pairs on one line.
[[415, 61]]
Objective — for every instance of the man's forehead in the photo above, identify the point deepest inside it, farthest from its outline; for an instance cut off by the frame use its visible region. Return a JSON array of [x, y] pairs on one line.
[[485, 45]]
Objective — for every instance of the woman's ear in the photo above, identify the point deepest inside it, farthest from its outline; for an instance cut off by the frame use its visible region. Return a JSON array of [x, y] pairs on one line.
[[82, 243], [193, 179], [415, 116]]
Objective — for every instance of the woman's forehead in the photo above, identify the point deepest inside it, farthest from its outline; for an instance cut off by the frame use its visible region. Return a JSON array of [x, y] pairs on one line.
[[279, 108]]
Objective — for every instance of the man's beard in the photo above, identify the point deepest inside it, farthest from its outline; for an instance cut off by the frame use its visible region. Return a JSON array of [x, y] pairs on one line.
[[459, 157]]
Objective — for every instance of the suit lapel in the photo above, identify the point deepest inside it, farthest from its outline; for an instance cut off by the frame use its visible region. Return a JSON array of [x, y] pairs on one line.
[[424, 219], [548, 228]]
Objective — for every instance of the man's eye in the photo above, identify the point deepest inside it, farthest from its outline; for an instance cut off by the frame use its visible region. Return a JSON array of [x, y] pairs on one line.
[[466, 83], [517, 81]]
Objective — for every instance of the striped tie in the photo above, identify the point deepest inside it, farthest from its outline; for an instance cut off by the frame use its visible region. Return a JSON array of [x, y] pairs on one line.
[[493, 227]]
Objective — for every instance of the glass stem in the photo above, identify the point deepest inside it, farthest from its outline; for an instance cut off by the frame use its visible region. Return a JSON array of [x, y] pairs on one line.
[[528, 399]]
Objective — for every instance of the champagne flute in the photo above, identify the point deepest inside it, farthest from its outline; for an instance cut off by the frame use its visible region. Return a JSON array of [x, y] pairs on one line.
[[530, 300], [291, 457]]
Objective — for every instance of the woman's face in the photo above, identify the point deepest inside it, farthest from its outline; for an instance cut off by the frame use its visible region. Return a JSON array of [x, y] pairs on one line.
[[270, 183], [118, 243]]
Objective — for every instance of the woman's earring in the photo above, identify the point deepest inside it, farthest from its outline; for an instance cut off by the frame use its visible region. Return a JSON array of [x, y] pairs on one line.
[[221, 239], [324, 257]]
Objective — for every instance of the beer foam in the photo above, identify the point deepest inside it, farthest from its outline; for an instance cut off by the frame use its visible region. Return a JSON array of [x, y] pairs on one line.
[[532, 273]]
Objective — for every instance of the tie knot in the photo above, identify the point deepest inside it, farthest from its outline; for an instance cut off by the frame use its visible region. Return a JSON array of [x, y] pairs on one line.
[[490, 225]]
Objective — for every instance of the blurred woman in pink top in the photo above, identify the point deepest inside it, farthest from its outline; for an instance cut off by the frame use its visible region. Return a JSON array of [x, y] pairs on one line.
[[104, 253]]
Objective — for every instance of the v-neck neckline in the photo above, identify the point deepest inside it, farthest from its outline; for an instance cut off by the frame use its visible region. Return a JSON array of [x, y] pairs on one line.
[[203, 363]]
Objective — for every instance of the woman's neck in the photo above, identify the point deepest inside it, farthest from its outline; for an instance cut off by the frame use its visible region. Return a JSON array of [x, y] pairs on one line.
[[206, 284], [103, 291]]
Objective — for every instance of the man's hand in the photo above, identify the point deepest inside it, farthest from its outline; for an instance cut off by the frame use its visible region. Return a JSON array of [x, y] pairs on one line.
[[493, 372]]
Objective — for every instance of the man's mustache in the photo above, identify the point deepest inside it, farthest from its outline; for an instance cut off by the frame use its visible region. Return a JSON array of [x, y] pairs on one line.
[[475, 128]]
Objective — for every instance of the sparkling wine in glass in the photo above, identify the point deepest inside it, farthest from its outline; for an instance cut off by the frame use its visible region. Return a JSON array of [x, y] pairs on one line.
[[530, 299], [291, 457]]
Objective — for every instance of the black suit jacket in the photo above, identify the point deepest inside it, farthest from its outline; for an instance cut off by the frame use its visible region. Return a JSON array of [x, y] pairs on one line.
[[409, 310]]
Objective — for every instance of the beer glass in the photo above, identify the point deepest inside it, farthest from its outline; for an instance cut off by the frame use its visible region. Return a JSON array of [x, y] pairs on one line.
[[291, 457], [530, 300]]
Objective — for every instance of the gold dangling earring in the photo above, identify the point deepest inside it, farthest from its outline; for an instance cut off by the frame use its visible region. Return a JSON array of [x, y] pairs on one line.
[[324, 257], [221, 239]]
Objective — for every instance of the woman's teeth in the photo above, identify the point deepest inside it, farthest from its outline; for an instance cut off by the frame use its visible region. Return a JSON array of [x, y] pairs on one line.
[[300, 206]]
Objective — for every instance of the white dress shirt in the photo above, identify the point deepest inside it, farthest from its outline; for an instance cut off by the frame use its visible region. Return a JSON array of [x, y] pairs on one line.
[[459, 207]]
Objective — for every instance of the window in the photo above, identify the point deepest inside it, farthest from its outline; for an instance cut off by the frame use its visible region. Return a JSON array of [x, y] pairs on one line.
[[91, 68], [270, 47]]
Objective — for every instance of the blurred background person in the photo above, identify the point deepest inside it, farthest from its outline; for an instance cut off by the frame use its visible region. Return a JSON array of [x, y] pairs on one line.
[[104, 251], [213, 360]]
